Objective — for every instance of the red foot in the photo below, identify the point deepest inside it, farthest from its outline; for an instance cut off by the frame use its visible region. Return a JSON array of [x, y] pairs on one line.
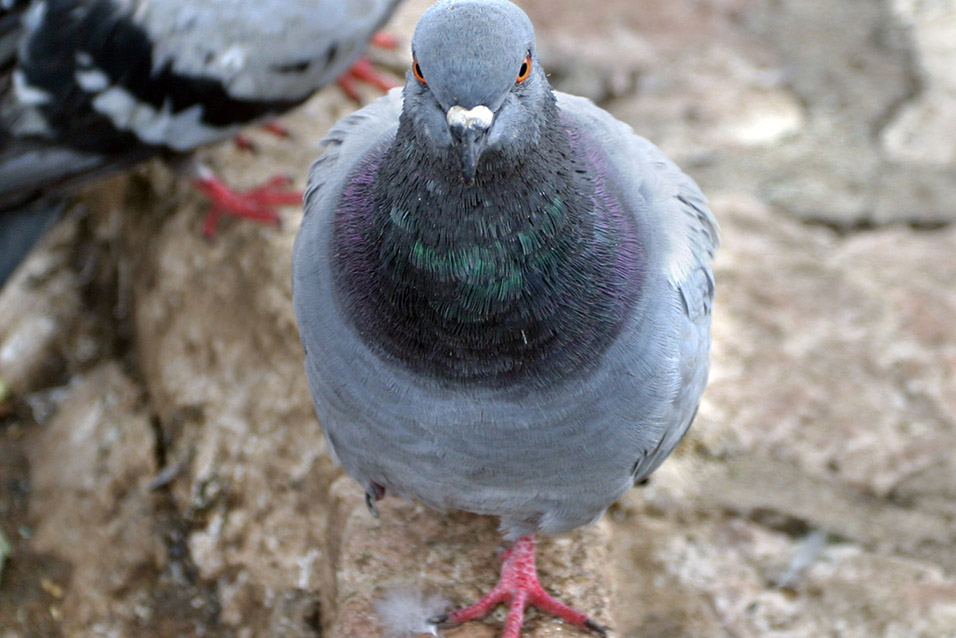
[[256, 204], [364, 71], [519, 587]]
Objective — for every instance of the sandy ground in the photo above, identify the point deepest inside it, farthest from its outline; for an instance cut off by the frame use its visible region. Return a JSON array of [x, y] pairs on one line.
[[162, 472]]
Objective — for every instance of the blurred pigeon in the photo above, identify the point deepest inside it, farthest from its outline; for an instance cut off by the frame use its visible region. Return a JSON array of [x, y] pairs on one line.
[[91, 86], [504, 295]]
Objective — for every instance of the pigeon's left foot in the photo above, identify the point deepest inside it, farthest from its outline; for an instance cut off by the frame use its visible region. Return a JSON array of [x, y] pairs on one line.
[[256, 204], [519, 587]]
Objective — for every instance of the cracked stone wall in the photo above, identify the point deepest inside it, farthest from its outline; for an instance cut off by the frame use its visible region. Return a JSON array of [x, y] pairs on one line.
[[162, 473]]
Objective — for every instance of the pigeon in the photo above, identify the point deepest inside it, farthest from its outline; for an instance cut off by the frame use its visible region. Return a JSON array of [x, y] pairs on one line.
[[503, 295], [88, 87]]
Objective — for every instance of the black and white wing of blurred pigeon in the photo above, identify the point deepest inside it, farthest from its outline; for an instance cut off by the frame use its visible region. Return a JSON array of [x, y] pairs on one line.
[[92, 86], [503, 293]]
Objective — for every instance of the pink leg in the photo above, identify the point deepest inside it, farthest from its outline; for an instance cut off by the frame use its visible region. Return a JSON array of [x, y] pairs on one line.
[[256, 204], [519, 587]]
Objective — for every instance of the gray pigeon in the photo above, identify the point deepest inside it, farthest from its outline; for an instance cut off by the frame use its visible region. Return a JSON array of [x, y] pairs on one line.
[[92, 86], [504, 295]]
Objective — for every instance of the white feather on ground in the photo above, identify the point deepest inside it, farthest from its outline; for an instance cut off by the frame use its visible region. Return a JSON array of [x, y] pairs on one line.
[[403, 612]]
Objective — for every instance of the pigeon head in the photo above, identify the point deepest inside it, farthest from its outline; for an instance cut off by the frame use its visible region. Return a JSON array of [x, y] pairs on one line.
[[475, 85]]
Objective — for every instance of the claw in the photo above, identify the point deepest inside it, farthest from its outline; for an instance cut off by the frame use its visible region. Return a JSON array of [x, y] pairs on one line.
[[370, 504], [375, 492], [600, 630], [438, 620]]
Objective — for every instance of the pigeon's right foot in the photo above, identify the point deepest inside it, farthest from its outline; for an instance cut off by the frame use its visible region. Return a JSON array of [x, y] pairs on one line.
[[519, 587]]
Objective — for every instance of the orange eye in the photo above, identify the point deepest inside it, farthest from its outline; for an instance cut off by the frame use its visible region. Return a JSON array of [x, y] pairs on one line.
[[525, 70], [417, 70]]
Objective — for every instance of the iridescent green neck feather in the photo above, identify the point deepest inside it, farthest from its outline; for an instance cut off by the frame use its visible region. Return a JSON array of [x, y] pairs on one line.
[[526, 274]]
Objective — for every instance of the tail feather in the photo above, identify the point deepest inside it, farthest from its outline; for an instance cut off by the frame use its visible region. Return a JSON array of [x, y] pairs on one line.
[[20, 229]]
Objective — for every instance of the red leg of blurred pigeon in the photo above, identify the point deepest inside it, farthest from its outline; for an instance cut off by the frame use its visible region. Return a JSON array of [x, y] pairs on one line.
[[276, 129], [384, 40], [243, 143], [519, 587], [364, 71], [256, 204]]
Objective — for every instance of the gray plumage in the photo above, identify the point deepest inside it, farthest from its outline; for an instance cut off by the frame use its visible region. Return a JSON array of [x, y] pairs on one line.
[[525, 337]]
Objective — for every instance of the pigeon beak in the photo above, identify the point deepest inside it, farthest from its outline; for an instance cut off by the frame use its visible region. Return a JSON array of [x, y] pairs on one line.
[[468, 127]]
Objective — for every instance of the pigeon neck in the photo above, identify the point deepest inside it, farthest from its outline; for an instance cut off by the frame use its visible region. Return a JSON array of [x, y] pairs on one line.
[[526, 274]]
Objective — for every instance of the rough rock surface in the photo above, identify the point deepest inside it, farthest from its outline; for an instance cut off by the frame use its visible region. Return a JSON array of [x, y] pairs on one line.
[[162, 473]]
